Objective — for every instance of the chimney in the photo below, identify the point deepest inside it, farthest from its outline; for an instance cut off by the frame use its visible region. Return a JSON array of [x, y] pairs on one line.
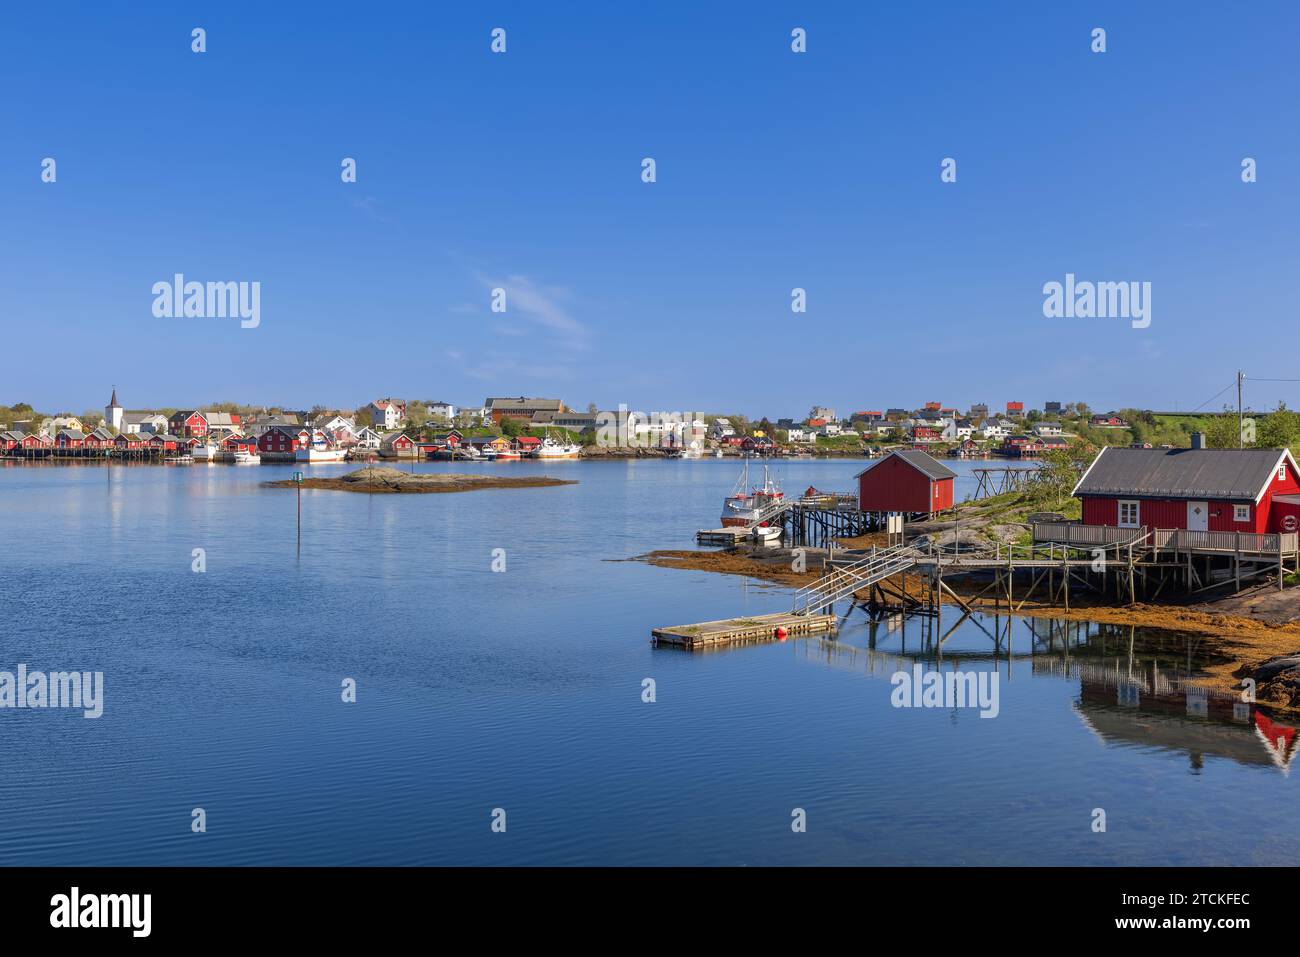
[[1198, 440]]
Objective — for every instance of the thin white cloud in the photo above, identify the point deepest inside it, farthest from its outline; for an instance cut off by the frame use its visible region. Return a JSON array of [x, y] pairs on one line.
[[545, 306], [370, 206]]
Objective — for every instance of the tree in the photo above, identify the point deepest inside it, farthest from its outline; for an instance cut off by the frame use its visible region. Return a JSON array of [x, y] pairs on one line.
[[1059, 475], [1279, 429], [416, 417], [1222, 432]]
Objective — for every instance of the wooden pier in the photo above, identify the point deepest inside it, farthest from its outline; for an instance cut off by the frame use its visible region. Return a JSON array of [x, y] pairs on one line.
[[732, 631], [809, 521], [731, 535]]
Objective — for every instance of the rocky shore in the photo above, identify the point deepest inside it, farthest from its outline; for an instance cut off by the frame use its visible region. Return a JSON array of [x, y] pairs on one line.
[[385, 479]]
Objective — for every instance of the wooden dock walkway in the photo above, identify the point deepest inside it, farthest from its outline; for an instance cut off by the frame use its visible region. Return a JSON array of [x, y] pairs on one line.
[[731, 535], [730, 631]]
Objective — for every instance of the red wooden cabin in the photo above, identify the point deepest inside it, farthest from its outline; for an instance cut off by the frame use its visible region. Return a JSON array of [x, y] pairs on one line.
[[907, 480], [1215, 490], [188, 422]]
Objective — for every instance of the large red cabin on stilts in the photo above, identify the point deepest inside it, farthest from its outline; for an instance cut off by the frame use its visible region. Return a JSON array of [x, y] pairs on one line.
[[1197, 489]]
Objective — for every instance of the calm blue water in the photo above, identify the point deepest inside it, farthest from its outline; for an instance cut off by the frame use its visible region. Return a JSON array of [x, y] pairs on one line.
[[522, 690]]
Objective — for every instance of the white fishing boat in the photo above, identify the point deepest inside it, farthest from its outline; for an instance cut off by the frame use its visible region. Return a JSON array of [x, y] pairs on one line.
[[319, 450], [550, 449], [766, 534], [315, 454], [206, 453], [244, 457], [745, 505]]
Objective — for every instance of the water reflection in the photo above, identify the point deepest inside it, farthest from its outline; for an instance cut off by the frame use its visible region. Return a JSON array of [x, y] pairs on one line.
[[1137, 687]]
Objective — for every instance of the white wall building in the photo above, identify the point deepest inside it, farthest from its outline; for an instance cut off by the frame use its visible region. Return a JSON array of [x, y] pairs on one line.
[[113, 412], [385, 416]]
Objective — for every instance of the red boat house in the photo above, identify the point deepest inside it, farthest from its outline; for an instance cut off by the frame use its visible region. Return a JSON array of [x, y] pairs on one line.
[[907, 480]]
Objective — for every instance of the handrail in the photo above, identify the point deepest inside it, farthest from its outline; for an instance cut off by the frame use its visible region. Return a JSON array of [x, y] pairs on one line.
[[845, 579]]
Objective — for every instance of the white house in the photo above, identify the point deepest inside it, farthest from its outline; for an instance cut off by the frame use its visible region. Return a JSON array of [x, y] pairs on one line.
[[999, 429], [957, 430], [136, 423], [368, 438], [1047, 428], [440, 410], [800, 435], [337, 422], [721, 430], [385, 415]]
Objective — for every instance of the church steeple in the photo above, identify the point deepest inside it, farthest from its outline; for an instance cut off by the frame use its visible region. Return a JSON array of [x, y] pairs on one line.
[[113, 412]]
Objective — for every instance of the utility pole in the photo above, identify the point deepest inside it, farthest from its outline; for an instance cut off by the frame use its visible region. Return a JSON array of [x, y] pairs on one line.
[[1241, 441]]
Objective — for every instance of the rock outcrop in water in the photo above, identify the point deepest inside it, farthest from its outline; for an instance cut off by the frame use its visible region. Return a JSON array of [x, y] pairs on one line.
[[386, 479]]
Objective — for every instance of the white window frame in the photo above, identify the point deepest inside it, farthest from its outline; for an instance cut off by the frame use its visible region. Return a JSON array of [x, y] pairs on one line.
[[1241, 513], [1137, 513], [1281, 472]]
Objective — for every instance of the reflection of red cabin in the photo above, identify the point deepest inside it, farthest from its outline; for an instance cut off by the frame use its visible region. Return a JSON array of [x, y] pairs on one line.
[[1216, 490], [907, 480]]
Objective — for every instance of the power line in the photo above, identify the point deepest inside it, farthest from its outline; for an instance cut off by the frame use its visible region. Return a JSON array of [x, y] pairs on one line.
[[1215, 396]]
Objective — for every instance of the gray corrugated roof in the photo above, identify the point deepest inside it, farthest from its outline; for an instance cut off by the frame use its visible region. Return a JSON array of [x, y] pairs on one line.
[[1180, 473], [522, 403], [930, 467], [925, 463]]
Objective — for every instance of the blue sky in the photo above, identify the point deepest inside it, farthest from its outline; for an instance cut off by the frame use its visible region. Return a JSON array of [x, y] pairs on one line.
[[775, 170]]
